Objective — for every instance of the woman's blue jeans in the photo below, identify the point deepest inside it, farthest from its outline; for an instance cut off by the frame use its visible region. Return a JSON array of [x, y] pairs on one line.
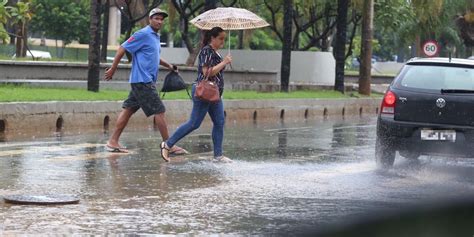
[[200, 109]]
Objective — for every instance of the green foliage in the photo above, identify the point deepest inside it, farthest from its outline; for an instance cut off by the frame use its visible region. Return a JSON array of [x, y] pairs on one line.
[[122, 39], [264, 39], [21, 13], [4, 15], [357, 46], [62, 19], [398, 23]]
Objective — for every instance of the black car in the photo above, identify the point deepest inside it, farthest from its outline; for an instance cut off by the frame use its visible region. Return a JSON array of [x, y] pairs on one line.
[[428, 110]]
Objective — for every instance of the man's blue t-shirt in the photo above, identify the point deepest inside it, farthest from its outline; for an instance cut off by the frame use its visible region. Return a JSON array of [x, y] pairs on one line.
[[144, 45]]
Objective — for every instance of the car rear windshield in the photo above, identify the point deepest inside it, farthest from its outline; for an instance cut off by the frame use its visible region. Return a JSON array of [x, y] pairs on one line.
[[431, 77]]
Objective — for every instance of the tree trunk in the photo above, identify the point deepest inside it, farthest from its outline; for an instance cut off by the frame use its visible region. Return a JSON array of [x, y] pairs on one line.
[[13, 38], [105, 31], [24, 46], [401, 55], [57, 48], [193, 49], [286, 49], [366, 49], [325, 44], [241, 39], [19, 41], [187, 41], [340, 49], [417, 48], [94, 47]]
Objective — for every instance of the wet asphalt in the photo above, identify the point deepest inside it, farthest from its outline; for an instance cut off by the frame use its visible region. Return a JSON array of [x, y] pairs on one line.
[[288, 177]]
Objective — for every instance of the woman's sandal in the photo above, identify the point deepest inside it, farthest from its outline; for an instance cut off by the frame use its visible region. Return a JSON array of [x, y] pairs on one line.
[[165, 152]]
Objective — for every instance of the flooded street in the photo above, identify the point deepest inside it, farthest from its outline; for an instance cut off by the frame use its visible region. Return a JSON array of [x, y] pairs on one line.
[[286, 177]]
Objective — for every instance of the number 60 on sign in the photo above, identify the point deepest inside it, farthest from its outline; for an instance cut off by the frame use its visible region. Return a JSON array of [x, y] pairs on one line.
[[430, 48]]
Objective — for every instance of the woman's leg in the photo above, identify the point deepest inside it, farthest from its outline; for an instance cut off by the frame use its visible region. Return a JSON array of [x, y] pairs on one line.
[[216, 111], [197, 116]]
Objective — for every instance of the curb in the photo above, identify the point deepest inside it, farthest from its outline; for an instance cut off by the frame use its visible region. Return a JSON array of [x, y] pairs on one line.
[[56, 116]]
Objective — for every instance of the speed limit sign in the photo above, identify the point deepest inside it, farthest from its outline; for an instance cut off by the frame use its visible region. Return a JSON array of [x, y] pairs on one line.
[[430, 48]]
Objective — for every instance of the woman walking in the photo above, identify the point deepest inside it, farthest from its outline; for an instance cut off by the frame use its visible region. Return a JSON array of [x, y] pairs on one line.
[[209, 59]]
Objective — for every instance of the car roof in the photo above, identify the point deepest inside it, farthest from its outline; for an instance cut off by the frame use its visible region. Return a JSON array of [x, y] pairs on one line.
[[441, 61]]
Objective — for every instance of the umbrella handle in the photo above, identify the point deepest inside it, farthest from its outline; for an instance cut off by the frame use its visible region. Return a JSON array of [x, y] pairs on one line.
[[228, 52]]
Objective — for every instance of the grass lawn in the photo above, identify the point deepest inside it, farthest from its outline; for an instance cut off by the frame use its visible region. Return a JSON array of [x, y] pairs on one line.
[[356, 73], [12, 93]]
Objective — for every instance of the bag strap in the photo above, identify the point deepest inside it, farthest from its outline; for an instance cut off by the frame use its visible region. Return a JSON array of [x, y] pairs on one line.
[[187, 91], [208, 73]]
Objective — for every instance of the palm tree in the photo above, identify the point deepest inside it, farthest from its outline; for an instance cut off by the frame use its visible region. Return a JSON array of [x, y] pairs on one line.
[[286, 49], [366, 49], [94, 47], [340, 47], [21, 14]]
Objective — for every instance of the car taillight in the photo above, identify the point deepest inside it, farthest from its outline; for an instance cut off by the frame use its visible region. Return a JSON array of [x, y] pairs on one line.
[[388, 103]]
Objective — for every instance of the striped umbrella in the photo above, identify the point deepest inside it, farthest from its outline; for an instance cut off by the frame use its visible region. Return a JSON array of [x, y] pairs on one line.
[[228, 18]]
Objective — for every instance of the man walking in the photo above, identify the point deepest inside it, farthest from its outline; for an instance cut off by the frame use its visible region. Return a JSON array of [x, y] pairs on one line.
[[144, 45]]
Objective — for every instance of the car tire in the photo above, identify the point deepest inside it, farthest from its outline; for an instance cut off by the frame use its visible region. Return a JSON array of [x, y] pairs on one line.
[[384, 154]]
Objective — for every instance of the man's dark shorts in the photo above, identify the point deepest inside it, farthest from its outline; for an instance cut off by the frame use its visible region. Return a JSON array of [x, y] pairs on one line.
[[144, 96]]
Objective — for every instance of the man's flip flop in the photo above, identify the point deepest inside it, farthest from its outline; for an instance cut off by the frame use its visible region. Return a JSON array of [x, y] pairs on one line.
[[115, 149], [165, 152]]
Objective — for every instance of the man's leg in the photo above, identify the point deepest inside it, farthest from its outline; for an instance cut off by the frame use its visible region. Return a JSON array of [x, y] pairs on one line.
[[160, 123], [120, 125]]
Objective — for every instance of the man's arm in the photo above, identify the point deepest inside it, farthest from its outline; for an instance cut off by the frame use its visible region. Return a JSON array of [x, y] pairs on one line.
[[168, 65], [109, 73]]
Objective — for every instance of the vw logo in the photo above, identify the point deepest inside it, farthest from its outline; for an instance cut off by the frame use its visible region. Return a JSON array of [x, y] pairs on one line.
[[440, 103]]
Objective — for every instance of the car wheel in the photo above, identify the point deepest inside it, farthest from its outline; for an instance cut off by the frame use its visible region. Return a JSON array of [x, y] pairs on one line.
[[409, 155], [384, 154]]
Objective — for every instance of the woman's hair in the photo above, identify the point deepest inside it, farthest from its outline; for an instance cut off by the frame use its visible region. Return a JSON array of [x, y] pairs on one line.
[[214, 32]]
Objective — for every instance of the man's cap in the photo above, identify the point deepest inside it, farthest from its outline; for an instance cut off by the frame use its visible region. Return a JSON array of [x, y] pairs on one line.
[[158, 11]]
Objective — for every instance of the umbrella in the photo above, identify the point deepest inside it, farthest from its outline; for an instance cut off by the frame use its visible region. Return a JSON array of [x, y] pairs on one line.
[[228, 18]]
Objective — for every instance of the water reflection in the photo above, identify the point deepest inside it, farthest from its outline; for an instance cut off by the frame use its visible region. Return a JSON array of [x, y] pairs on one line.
[[282, 143]]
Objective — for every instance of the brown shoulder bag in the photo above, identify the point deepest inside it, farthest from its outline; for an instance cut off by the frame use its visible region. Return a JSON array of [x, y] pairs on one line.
[[207, 90]]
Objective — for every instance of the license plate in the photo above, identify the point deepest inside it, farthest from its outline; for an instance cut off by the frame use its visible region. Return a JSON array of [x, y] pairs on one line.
[[438, 135]]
